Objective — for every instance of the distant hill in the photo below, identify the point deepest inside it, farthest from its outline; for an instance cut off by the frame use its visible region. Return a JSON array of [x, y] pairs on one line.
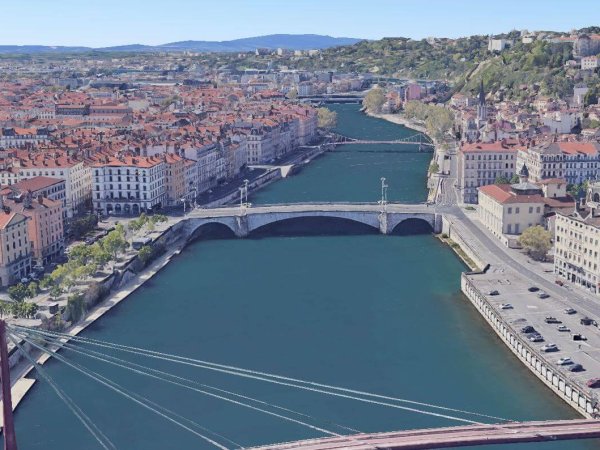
[[273, 41]]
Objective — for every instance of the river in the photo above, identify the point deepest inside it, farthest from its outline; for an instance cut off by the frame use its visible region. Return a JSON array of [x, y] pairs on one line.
[[356, 309]]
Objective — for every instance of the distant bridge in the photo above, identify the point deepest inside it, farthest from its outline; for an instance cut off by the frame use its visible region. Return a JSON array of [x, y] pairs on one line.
[[464, 436], [332, 98], [242, 220], [416, 139]]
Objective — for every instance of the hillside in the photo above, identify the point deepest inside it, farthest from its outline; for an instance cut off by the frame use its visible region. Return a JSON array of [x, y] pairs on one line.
[[463, 61]]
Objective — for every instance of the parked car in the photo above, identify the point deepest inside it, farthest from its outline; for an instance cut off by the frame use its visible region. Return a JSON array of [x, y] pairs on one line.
[[575, 368], [536, 338], [506, 306], [564, 361], [543, 294], [549, 348], [527, 329], [560, 283], [563, 328], [533, 289], [579, 337], [551, 319], [493, 293], [570, 311], [587, 321], [25, 280], [593, 383]]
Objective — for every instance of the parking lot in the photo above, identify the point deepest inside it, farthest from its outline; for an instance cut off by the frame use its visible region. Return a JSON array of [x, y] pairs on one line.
[[528, 309]]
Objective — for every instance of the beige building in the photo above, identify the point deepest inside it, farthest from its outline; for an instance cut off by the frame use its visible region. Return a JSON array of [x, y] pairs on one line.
[[15, 254], [577, 243], [507, 210], [480, 164]]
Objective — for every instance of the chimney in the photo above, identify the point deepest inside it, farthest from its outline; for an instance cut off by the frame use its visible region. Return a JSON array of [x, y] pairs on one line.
[[40, 199]]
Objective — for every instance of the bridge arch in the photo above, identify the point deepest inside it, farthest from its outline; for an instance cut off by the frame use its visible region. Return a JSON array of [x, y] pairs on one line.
[[412, 225], [313, 225], [211, 229]]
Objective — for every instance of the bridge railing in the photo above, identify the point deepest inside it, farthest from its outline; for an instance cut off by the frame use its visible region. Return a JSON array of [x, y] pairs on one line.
[[272, 205]]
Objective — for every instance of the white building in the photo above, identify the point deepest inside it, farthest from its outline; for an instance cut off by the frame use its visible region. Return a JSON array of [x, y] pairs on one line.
[[589, 62], [128, 184]]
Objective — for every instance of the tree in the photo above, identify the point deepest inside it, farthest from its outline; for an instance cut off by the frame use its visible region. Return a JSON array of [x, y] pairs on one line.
[[76, 307], [515, 179], [33, 289], [99, 255], [79, 254], [46, 282], [18, 292], [536, 241], [114, 243], [501, 180], [374, 100], [327, 118], [5, 308], [55, 291], [434, 167], [145, 253]]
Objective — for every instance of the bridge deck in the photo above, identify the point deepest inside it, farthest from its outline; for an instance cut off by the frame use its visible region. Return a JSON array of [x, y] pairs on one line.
[[517, 432]]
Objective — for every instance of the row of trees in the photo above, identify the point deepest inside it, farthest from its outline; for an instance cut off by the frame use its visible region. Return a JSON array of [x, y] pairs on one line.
[[327, 118], [374, 100], [147, 222], [85, 260], [438, 119], [18, 309]]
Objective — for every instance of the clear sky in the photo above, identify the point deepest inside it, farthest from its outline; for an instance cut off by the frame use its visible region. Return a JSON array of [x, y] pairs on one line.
[[100, 23]]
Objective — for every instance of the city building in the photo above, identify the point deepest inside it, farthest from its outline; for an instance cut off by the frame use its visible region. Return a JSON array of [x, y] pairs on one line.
[[15, 249], [481, 163], [128, 184], [574, 161]]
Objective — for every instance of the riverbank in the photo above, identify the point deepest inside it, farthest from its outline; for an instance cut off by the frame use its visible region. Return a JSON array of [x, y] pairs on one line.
[[399, 119]]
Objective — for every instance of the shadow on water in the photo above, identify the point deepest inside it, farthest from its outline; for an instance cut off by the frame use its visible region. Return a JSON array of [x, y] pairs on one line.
[[313, 226], [411, 227]]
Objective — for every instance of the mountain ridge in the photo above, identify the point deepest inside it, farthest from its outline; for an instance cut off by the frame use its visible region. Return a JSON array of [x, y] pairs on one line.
[[271, 42]]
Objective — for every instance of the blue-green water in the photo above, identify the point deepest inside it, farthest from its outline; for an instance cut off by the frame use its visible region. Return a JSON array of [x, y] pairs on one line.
[[369, 312]]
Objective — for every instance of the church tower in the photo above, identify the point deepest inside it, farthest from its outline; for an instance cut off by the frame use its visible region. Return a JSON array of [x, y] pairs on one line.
[[481, 106]]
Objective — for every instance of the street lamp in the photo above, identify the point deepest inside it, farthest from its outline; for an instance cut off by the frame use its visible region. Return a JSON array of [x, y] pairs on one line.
[[182, 200], [246, 182], [384, 188], [241, 198]]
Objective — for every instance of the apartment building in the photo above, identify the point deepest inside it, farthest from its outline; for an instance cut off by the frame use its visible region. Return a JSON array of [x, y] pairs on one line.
[[573, 161], [128, 184], [15, 249], [481, 163]]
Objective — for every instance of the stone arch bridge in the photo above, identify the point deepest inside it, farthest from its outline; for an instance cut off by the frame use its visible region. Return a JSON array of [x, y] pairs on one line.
[[244, 220]]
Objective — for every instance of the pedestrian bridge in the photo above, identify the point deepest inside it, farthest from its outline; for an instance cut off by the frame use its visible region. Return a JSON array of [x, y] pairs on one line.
[[464, 436], [243, 220]]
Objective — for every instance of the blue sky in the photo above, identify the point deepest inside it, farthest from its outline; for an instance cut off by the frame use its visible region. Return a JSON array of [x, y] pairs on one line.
[[99, 23]]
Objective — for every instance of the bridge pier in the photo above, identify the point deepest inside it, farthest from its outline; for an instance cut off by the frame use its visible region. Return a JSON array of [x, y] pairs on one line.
[[241, 226], [383, 223]]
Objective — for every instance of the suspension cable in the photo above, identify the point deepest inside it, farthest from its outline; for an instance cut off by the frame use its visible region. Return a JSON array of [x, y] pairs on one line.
[[104, 441], [322, 430], [104, 357], [275, 379], [122, 391]]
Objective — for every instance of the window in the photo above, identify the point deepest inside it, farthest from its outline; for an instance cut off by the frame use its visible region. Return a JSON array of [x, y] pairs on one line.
[[517, 209], [509, 211]]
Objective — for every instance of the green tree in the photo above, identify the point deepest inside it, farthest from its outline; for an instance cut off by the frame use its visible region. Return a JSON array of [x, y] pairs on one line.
[[145, 253], [536, 241], [99, 255], [114, 243], [18, 292], [33, 289], [76, 307], [374, 100], [327, 118], [434, 167], [501, 180], [46, 282], [515, 179], [79, 254], [55, 291]]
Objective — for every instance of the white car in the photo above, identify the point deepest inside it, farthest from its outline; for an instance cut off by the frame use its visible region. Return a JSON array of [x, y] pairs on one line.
[[564, 361], [563, 328], [506, 306]]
